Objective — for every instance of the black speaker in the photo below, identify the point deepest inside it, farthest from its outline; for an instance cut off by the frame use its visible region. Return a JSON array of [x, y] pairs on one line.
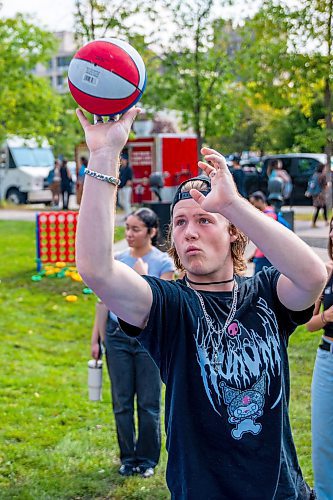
[[162, 210]]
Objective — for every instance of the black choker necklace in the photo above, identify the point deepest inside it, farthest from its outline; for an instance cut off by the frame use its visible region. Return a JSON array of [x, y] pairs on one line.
[[210, 283]]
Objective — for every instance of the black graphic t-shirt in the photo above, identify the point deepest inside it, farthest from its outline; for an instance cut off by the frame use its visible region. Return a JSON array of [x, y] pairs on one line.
[[226, 418], [328, 302]]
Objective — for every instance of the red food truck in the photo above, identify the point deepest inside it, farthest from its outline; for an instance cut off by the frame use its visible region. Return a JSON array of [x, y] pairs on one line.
[[174, 156]]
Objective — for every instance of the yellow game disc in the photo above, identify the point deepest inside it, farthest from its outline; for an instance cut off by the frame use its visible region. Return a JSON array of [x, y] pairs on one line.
[[71, 298], [50, 272], [76, 277]]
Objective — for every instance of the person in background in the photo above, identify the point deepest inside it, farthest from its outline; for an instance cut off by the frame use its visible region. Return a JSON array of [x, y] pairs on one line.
[[238, 175], [258, 200], [125, 186], [322, 386], [80, 179], [66, 181], [156, 182], [275, 169], [132, 371], [54, 183], [318, 182], [219, 338]]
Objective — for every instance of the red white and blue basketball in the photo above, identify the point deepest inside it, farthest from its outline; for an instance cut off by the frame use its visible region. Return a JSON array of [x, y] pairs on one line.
[[107, 76]]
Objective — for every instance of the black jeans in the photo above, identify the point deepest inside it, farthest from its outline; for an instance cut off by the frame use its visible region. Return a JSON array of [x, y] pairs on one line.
[[65, 198], [133, 373], [316, 213]]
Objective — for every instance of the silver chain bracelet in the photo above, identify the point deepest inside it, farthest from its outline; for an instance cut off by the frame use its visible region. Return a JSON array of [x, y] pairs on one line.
[[102, 177]]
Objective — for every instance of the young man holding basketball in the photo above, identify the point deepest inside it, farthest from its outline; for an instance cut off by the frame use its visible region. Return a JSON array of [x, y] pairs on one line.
[[219, 339]]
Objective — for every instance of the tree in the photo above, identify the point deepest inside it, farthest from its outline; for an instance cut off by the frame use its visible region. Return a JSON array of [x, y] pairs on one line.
[[314, 23], [68, 131], [195, 74], [28, 105], [102, 18], [285, 62]]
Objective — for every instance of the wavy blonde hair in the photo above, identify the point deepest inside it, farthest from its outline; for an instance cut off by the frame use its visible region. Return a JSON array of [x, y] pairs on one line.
[[237, 246]]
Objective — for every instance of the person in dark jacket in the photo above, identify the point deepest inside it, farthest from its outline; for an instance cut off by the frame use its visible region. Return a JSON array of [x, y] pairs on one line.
[[238, 175], [66, 184]]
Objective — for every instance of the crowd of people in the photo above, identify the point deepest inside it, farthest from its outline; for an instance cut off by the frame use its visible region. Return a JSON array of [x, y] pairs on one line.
[[217, 339], [279, 185], [61, 183]]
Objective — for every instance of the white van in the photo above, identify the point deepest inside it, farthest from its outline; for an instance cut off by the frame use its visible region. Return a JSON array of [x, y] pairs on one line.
[[24, 167]]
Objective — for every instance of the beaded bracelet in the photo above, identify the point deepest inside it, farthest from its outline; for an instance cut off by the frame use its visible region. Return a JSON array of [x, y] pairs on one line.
[[102, 177], [323, 318]]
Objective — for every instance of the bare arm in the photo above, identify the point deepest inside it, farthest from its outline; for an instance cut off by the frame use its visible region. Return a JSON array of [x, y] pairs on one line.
[[303, 274], [316, 322], [120, 288], [320, 319]]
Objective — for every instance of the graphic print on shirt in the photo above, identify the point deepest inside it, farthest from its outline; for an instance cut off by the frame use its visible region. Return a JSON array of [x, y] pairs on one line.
[[237, 368], [244, 407]]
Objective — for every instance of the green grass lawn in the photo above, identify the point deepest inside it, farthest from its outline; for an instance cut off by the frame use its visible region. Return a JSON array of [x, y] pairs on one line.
[[54, 443]]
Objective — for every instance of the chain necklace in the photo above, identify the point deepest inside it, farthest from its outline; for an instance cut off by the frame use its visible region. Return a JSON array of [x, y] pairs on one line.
[[222, 329]]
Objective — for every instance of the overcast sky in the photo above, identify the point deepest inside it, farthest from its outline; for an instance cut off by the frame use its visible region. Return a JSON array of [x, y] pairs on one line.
[[56, 15]]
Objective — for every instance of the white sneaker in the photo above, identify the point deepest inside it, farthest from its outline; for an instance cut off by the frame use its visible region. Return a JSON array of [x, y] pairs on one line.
[[149, 472]]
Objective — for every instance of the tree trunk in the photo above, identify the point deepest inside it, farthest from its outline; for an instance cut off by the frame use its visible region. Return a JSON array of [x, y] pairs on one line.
[[200, 141]]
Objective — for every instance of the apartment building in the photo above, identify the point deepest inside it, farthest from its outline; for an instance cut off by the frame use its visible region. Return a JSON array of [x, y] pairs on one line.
[[57, 68]]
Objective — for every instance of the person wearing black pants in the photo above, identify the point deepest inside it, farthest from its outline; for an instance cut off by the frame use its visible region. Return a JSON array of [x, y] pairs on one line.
[[133, 372], [319, 196], [66, 180]]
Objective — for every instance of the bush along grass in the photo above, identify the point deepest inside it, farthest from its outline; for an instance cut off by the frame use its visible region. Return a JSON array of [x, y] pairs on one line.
[[54, 443]]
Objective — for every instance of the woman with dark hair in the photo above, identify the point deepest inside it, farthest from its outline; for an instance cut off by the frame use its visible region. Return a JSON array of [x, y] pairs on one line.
[[317, 189], [131, 370], [322, 386]]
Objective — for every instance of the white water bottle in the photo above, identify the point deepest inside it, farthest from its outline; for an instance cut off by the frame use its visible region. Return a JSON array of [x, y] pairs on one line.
[[95, 379]]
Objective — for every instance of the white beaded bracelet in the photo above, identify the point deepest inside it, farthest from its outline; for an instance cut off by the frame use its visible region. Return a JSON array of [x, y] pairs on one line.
[[101, 177]]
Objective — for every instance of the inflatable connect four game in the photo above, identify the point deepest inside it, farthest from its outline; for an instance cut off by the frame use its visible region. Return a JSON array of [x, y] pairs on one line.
[[55, 237]]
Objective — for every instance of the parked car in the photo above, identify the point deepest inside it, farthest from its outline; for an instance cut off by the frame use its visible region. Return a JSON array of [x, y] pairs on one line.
[[300, 167]]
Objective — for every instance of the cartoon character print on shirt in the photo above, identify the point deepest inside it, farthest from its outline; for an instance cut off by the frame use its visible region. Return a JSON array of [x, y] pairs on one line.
[[244, 407], [240, 363]]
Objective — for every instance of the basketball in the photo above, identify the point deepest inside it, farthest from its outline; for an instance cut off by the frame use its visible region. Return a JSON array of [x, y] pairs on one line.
[[106, 76]]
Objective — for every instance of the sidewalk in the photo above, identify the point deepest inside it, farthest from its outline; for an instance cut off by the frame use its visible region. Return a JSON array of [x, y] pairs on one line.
[[28, 213]]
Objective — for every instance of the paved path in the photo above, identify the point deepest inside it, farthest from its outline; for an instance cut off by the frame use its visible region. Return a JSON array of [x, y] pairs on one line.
[[29, 214]]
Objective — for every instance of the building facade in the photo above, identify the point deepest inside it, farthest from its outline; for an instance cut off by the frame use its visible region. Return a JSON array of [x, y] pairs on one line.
[[57, 68]]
